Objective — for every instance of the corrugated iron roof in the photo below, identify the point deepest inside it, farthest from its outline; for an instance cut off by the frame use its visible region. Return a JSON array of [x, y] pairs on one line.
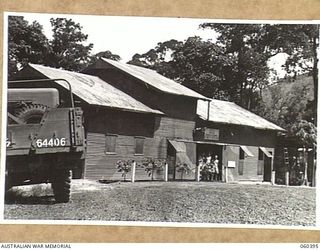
[[154, 79], [231, 113], [94, 90]]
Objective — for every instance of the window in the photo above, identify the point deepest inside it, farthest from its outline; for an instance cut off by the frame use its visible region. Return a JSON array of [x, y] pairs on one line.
[[138, 145], [111, 141]]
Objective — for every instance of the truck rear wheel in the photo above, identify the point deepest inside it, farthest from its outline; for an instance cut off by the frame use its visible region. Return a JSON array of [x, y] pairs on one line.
[[61, 184], [31, 113]]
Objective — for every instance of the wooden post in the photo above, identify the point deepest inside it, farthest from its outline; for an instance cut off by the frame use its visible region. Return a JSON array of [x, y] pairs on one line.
[[273, 177], [287, 178], [305, 155], [226, 173], [166, 172], [273, 173], [198, 172], [133, 171]]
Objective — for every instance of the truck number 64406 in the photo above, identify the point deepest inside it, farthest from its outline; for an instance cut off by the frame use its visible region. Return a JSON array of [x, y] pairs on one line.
[[53, 142]]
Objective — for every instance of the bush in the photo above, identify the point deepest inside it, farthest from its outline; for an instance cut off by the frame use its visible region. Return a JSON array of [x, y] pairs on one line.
[[183, 168], [124, 167], [151, 165]]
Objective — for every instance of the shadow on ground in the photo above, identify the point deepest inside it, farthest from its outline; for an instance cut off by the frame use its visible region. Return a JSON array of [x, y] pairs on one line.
[[32, 195], [29, 200]]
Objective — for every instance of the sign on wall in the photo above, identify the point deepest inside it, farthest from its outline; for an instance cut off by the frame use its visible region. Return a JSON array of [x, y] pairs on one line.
[[231, 164], [211, 134]]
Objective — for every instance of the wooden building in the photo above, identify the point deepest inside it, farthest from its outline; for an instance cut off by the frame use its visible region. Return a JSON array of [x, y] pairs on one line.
[[122, 126], [118, 127], [133, 113], [174, 130], [244, 142]]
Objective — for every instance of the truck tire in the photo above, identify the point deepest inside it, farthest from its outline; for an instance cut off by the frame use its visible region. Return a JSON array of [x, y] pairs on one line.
[[61, 184], [31, 113], [78, 170]]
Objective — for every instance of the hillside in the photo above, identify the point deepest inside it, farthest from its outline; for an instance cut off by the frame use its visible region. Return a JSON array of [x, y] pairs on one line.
[[285, 102], [301, 81]]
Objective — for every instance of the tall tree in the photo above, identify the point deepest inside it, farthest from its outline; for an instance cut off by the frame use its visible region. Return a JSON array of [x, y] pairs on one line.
[[285, 103], [26, 43], [105, 54], [300, 42], [159, 58], [67, 46], [197, 64], [243, 42]]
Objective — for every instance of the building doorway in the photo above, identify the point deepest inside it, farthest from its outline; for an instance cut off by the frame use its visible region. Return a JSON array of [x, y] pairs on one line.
[[206, 152], [267, 169]]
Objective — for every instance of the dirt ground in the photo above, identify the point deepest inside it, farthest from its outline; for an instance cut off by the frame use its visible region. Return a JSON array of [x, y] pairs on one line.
[[168, 202]]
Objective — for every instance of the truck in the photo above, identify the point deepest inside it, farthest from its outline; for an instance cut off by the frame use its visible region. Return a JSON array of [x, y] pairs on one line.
[[45, 139]]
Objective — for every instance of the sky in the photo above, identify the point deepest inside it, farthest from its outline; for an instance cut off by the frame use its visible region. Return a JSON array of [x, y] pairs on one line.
[[126, 36]]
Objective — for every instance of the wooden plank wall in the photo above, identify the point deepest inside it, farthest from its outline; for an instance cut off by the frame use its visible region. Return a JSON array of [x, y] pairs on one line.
[[250, 164], [102, 165]]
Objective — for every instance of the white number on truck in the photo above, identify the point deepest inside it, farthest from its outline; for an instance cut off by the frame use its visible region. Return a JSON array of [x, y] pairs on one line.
[[8, 142], [49, 143]]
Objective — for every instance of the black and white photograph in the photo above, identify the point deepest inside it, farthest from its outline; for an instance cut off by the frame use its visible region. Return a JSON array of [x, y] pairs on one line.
[[162, 121]]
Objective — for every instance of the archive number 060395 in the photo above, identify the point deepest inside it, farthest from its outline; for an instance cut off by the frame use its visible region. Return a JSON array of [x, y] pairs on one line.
[[309, 246], [53, 142]]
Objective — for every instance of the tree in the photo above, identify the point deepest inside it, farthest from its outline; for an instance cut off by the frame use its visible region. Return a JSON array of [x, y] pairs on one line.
[[159, 58], [105, 54], [67, 48], [151, 166], [26, 43], [124, 167], [300, 42], [285, 103], [197, 64], [244, 43]]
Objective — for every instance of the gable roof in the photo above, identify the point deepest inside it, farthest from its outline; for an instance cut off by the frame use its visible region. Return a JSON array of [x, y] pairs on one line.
[[155, 80], [94, 90], [231, 113]]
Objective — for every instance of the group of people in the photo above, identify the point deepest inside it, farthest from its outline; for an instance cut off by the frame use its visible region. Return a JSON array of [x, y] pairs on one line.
[[209, 167]]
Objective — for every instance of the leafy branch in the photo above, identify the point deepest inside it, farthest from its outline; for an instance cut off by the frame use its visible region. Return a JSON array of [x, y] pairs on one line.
[[151, 166]]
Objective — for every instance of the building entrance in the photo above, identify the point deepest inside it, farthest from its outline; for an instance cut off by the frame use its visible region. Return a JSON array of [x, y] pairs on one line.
[[209, 157]]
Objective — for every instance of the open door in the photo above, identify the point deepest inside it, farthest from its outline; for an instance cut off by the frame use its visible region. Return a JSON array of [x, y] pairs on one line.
[[267, 166]]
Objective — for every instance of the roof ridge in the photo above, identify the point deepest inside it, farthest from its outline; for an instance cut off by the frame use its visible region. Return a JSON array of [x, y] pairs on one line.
[[99, 93], [64, 70], [156, 80]]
